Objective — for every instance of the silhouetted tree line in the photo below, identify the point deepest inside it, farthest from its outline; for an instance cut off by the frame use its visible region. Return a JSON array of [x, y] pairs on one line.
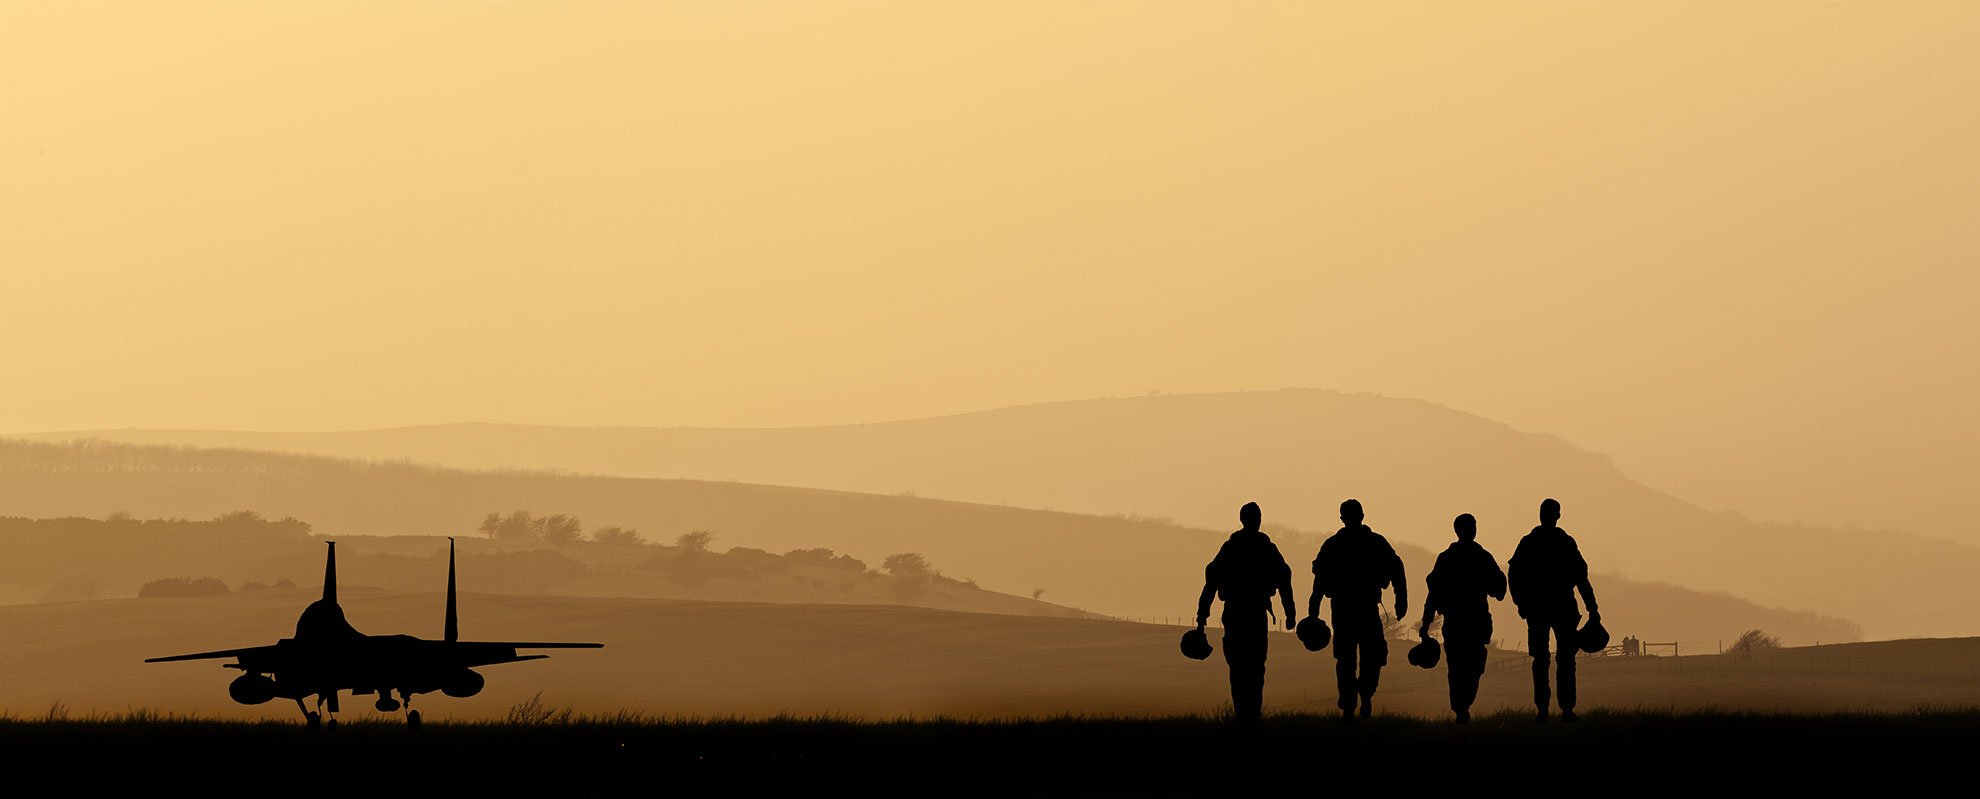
[[240, 522], [74, 558], [183, 587], [692, 561], [557, 529]]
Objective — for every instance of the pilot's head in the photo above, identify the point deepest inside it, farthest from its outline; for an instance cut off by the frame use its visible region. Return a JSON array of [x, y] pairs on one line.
[[1351, 512], [1550, 512], [1467, 527], [1249, 516]]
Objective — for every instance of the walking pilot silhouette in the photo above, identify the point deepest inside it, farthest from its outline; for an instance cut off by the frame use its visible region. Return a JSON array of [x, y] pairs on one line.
[[1544, 573], [1248, 570], [1352, 568], [1464, 576]]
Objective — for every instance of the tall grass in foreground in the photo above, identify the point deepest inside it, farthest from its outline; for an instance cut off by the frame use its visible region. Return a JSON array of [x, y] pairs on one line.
[[535, 713]]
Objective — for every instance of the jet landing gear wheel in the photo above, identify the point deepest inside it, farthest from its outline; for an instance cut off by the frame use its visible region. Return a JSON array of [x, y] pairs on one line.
[[313, 721], [412, 720], [386, 704], [330, 725]]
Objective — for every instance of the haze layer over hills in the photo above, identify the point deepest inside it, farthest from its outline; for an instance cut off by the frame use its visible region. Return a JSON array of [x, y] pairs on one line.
[[1194, 458], [1116, 566]]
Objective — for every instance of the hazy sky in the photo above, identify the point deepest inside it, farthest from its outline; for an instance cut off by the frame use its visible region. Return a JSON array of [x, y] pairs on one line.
[[1732, 244]]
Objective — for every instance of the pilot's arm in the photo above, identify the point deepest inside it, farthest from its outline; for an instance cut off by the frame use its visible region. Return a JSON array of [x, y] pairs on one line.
[[1401, 583], [1429, 603], [1516, 574], [1285, 590], [1209, 593], [1319, 583], [1581, 584]]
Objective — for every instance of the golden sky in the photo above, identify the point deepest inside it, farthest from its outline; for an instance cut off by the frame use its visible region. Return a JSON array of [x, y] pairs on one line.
[[1713, 239]]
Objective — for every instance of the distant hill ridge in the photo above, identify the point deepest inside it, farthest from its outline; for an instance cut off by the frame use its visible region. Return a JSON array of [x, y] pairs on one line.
[[1195, 457]]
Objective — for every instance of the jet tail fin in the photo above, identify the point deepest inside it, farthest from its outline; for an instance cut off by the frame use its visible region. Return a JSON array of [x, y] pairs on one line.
[[330, 574], [453, 617]]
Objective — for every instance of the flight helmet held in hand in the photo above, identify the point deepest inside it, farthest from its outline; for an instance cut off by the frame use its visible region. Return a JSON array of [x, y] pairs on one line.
[[1313, 633], [1425, 654], [1195, 645]]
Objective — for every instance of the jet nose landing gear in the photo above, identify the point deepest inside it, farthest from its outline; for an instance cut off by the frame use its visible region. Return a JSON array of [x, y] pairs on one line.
[[386, 704], [412, 716], [313, 719]]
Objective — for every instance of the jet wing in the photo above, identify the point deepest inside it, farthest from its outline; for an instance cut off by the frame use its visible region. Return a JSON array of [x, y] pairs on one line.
[[246, 652], [489, 653]]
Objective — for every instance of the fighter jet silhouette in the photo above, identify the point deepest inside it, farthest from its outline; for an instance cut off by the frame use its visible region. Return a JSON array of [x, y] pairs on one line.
[[328, 655]]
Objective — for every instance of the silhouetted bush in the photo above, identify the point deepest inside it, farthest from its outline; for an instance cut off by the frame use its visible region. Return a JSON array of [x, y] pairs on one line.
[[696, 541], [1396, 629], [756, 561], [1753, 641], [182, 587], [825, 558], [617, 536], [911, 574], [560, 530], [906, 565]]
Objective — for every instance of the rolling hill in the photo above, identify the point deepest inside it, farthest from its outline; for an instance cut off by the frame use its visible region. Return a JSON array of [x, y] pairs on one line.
[[77, 559], [1194, 458]]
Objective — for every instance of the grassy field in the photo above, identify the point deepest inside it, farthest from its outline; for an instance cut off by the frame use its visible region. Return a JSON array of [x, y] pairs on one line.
[[544, 753], [874, 662]]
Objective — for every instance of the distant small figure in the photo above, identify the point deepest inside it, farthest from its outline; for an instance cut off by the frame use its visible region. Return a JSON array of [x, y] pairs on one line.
[[1465, 575], [1353, 566], [1248, 570], [1545, 572]]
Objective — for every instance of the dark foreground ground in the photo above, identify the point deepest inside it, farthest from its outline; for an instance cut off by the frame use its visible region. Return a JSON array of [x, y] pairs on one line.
[[1606, 753]]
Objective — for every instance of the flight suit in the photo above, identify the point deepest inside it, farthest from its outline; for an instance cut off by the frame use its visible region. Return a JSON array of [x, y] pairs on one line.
[[1545, 573], [1352, 567], [1247, 572], [1465, 575]]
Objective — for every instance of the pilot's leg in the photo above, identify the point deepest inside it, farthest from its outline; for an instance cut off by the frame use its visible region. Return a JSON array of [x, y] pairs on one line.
[[1565, 650], [1536, 644], [1464, 651], [1346, 647], [1244, 650], [1374, 655]]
